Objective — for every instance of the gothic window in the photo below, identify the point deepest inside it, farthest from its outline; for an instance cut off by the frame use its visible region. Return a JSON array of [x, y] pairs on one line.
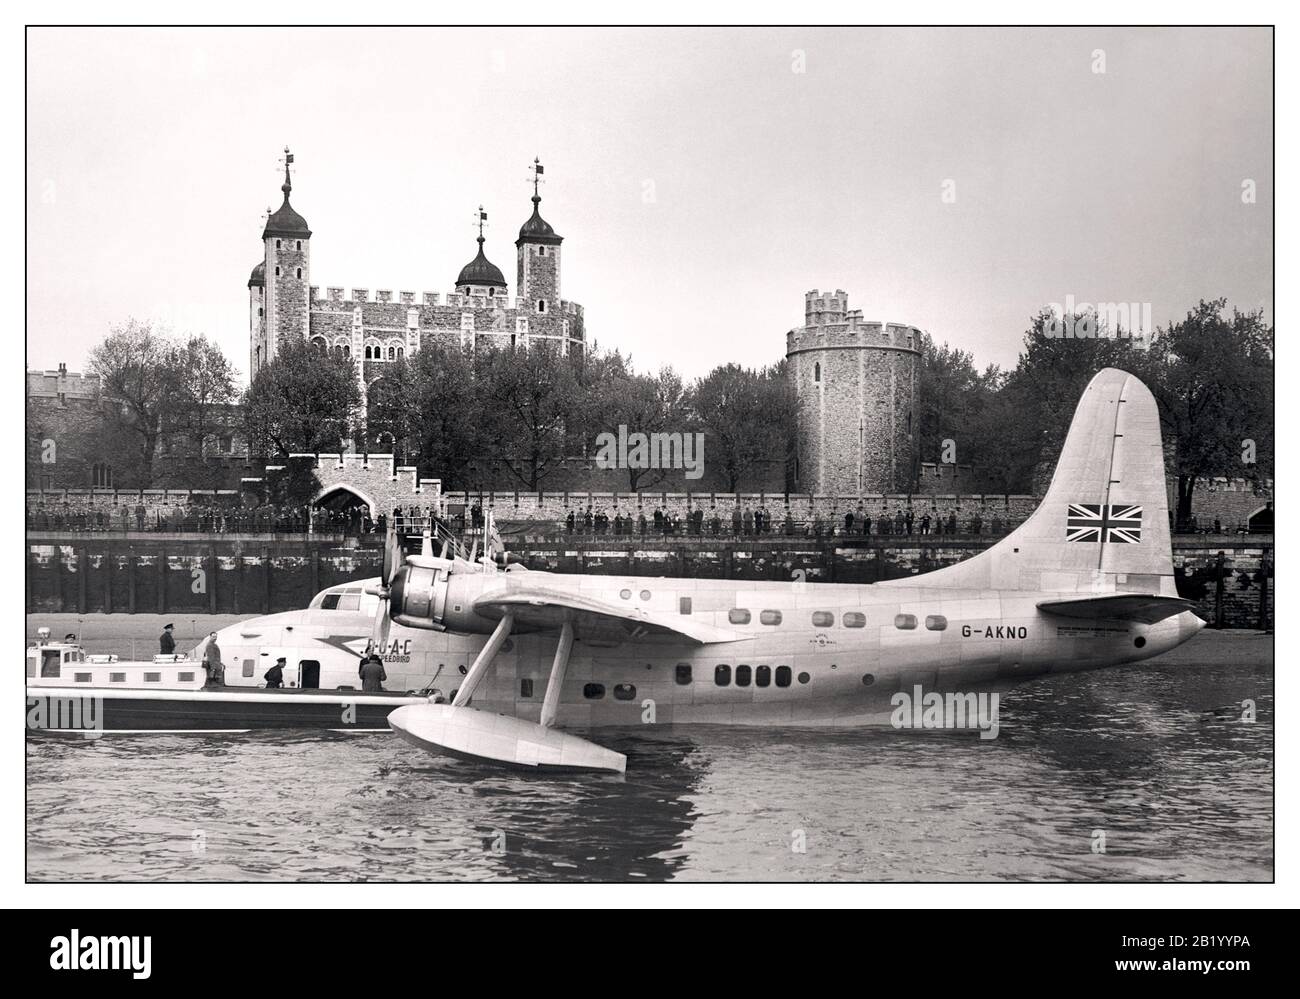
[[399, 353], [347, 351], [392, 353], [367, 354], [319, 343]]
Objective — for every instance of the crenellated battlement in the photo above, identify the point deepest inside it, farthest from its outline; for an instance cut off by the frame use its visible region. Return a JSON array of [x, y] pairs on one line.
[[854, 331], [403, 301], [828, 308], [62, 383]]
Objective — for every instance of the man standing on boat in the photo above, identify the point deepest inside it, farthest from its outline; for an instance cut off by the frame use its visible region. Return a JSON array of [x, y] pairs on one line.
[[212, 662], [166, 643], [372, 673]]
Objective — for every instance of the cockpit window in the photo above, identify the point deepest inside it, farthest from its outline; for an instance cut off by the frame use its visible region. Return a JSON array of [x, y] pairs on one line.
[[350, 601], [331, 601]]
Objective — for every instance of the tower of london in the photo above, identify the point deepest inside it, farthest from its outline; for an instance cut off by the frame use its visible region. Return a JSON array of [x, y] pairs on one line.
[[380, 327], [859, 401]]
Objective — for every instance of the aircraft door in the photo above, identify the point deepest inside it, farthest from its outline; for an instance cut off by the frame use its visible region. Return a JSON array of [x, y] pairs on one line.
[[309, 670]]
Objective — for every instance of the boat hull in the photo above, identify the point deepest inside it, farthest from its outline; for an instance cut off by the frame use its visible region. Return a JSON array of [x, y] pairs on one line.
[[100, 712]]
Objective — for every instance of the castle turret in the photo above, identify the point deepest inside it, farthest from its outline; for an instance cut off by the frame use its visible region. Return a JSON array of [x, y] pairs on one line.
[[287, 241], [256, 318], [859, 401], [538, 250], [480, 276]]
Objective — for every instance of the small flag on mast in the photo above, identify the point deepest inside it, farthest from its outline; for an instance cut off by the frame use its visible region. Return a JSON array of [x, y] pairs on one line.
[[539, 168], [288, 157]]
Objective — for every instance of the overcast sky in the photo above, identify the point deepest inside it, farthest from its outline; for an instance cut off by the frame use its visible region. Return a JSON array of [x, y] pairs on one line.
[[701, 182]]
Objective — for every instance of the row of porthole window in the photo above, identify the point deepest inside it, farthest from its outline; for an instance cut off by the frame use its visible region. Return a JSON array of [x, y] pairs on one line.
[[852, 619], [759, 676], [121, 677]]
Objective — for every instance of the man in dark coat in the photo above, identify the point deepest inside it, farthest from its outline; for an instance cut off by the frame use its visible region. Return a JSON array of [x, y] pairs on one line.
[[212, 662], [372, 673], [166, 643], [274, 676]]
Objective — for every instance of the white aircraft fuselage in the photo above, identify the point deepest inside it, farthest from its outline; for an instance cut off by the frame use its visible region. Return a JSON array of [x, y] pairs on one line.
[[814, 654]]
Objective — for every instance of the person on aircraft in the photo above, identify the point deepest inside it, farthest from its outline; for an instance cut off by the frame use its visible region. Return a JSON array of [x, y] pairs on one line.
[[274, 676]]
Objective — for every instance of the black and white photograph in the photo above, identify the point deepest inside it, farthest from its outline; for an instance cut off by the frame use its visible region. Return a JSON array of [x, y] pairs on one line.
[[581, 455]]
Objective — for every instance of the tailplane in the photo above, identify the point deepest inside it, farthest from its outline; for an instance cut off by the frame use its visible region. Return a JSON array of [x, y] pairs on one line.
[[1103, 526]]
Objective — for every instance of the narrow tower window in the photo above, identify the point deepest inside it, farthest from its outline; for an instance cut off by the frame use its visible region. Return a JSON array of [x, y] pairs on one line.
[[541, 305], [817, 371]]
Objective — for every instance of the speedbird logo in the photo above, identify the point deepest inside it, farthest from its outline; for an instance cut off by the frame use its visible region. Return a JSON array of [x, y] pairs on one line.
[[96, 953]]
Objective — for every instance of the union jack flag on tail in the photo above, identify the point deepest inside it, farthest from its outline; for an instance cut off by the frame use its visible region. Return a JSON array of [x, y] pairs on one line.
[[1109, 523]]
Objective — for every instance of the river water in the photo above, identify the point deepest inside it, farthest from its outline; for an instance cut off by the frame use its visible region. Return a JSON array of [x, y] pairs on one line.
[[1141, 773]]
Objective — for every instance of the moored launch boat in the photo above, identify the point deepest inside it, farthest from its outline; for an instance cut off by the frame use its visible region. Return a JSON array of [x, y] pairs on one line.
[[69, 692]]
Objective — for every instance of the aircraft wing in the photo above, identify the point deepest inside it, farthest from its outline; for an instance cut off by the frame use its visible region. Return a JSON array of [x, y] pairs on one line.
[[1145, 608], [547, 608]]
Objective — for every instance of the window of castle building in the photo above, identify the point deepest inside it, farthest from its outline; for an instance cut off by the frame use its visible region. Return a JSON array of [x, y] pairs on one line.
[[392, 353], [259, 312], [300, 244], [541, 305], [299, 273], [541, 251], [277, 244], [277, 271], [817, 371], [399, 353]]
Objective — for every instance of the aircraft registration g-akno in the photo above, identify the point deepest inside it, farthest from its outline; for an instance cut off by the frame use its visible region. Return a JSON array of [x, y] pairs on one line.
[[1086, 582]]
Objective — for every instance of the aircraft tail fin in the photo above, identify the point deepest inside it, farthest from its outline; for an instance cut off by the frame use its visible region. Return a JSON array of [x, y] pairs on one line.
[[1104, 524]]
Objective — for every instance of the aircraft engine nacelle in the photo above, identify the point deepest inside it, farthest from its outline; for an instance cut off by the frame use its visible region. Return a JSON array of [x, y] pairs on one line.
[[437, 598], [418, 597]]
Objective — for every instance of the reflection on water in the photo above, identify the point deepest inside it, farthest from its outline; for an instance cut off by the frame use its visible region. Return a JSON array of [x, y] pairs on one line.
[[1179, 791]]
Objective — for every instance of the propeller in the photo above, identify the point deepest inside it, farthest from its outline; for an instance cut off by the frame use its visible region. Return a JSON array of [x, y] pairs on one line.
[[393, 559]]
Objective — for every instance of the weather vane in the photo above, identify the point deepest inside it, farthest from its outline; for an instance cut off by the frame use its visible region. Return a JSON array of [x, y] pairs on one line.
[[537, 170], [480, 220]]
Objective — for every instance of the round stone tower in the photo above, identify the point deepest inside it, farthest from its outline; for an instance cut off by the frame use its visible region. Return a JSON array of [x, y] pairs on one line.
[[859, 403]]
